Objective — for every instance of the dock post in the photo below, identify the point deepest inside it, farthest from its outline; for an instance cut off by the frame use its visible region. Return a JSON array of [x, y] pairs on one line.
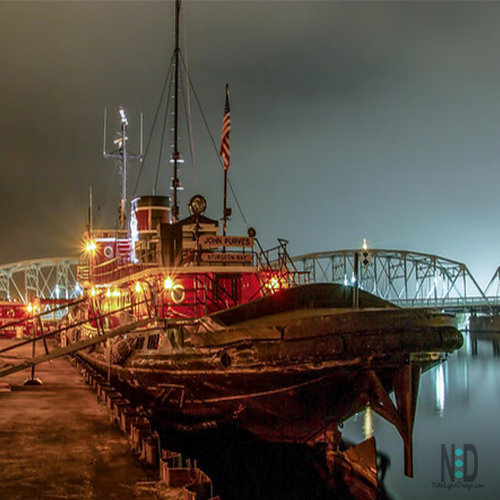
[[33, 381]]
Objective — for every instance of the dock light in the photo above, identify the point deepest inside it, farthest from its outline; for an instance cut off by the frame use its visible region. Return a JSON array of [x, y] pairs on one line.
[[365, 244], [168, 284], [91, 246]]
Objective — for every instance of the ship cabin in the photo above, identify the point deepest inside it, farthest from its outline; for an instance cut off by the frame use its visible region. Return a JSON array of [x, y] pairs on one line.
[[182, 269]]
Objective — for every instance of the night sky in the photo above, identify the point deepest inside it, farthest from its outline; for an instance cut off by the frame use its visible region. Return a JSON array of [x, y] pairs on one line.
[[350, 120]]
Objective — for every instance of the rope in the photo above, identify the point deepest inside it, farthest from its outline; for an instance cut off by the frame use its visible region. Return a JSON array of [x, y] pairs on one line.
[[160, 153], [167, 79], [188, 112]]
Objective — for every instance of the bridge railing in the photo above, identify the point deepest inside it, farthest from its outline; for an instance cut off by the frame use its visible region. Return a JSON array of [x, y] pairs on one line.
[[449, 303]]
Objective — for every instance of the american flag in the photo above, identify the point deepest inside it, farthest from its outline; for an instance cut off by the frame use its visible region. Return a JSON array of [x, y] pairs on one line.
[[226, 129]]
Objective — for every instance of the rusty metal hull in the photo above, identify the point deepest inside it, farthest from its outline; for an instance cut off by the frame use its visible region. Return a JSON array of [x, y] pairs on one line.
[[283, 376]]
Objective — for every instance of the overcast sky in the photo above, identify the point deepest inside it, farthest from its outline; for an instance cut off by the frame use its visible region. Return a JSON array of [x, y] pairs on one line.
[[350, 120]]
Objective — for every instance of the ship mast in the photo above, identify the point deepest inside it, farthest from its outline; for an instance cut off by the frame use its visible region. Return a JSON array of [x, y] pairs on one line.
[[122, 156], [124, 168], [175, 153]]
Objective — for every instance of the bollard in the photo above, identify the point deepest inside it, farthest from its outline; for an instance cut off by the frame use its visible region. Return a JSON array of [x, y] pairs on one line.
[[101, 388], [106, 393], [110, 395], [139, 432], [118, 407], [113, 401], [127, 418], [150, 451]]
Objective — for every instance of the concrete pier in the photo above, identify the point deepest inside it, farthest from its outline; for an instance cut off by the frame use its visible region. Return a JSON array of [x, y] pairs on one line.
[[57, 442]]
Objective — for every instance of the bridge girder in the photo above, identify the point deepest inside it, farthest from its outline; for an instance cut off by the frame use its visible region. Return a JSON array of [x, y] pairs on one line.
[[400, 276], [45, 278], [403, 277]]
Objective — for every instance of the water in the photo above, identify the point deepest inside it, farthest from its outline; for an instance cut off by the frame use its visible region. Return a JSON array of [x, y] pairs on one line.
[[458, 403]]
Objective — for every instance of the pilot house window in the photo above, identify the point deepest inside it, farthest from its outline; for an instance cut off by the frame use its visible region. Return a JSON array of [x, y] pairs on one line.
[[153, 341]]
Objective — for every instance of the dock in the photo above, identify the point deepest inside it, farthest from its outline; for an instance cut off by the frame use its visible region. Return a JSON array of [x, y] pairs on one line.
[[58, 442]]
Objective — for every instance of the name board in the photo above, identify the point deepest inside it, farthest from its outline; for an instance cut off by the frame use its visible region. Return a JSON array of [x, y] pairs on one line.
[[226, 257], [207, 240]]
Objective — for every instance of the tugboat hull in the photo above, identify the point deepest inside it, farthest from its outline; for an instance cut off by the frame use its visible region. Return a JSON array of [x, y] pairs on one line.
[[283, 376]]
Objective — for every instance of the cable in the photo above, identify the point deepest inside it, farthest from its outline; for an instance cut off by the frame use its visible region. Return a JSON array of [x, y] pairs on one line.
[[167, 79], [188, 111], [214, 144], [160, 153]]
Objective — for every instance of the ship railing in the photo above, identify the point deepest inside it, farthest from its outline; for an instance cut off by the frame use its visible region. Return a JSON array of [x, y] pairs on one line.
[[204, 297], [113, 269], [218, 298], [278, 260], [122, 267], [39, 330]]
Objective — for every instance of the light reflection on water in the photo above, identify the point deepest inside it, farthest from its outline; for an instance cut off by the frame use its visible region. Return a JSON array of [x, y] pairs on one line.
[[458, 403], [438, 374]]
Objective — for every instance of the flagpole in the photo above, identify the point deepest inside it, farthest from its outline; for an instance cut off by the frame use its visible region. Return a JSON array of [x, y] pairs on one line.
[[224, 152], [224, 218]]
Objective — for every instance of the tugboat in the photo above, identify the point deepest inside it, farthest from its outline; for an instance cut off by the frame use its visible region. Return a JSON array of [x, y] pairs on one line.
[[211, 331]]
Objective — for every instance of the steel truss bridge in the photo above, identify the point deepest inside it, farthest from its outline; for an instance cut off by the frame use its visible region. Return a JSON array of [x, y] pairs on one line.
[[53, 278], [408, 279]]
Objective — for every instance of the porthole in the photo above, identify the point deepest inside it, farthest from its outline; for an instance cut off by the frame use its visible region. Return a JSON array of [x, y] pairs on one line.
[[178, 294], [108, 251]]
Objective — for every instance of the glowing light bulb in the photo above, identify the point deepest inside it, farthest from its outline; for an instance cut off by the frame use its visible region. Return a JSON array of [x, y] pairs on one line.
[[168, 284], [91, 246], [274, 283], [138, 287]]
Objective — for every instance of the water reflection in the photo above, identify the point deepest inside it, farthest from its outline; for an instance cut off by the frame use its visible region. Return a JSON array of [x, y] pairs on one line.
[[458, 403], [243, 467], [368, 423], [483, 340], [439, 374]]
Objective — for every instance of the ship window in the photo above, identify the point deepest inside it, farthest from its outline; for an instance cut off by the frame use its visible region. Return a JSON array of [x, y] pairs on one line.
[[139, 343], [153, 341]]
